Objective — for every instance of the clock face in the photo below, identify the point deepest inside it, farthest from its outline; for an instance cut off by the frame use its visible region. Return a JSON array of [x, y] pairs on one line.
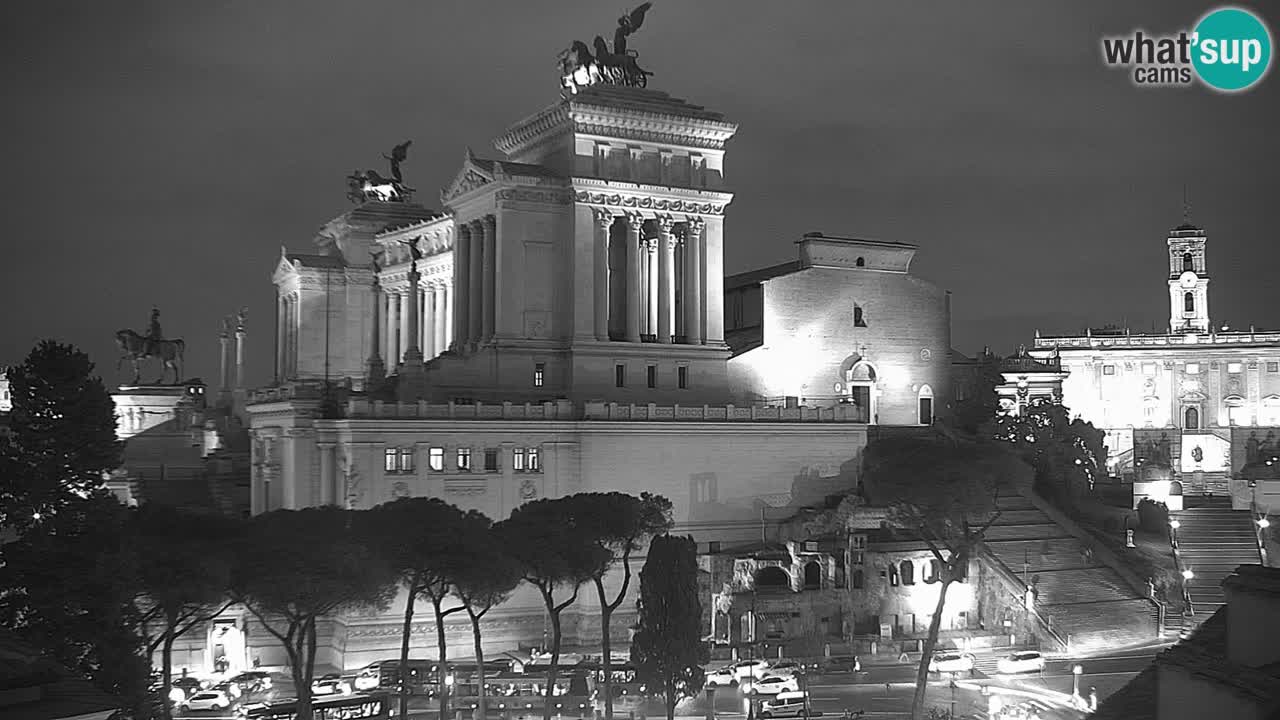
[[1188, 279]]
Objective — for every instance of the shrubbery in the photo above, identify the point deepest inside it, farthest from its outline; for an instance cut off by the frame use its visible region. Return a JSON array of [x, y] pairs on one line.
[[1153, 516]]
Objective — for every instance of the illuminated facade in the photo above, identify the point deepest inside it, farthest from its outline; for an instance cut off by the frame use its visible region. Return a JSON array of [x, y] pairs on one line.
[[1207, 390]]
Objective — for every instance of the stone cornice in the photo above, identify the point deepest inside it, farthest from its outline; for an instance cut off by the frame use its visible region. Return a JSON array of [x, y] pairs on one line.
[[531, 130], [542, 196], [655, 198]]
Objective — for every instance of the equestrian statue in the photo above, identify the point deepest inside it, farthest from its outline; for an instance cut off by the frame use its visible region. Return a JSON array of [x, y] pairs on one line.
[[580, 68], [136, 348], [370, 185]]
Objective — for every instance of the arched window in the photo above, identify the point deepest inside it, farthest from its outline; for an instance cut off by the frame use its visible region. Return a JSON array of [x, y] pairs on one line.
[[858, 319], [893, 575], [1189, 302], [772, 577], [1192, 417], [908, 572], [932, 573], [861, 262], [812, 576], [924, 402], [858, 580], [1188, 262]]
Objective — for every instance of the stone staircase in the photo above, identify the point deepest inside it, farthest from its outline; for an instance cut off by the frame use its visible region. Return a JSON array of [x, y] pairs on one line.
[[1213, 541], [1079, 595]]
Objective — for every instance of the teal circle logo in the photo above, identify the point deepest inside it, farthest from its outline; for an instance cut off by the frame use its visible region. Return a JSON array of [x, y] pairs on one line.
[[1231, 49]]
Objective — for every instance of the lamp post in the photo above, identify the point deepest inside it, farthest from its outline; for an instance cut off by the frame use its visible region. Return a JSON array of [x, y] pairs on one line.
[[1174, 524], [1076, 671]]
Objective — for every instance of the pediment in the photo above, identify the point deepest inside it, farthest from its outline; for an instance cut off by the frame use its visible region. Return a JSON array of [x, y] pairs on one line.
[[1192, 396], [1233, 401], [470, 176]]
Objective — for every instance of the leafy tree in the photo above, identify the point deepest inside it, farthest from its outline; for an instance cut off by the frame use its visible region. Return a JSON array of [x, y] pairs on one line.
[[484, 580], [553, 552], [62, 435], [667, 650], [1068, 455], [69, 584], [620, 523], [424, 540], [980, 406], [295, 567], [184, 571], [944, 491]]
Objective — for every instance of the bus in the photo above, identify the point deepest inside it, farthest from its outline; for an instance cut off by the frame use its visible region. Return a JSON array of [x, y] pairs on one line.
[[347, 707], [424, 677], [525, 693]]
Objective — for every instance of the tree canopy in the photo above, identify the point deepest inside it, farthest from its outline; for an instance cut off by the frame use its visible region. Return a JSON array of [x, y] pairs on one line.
[[667, 650], [1068, 455]]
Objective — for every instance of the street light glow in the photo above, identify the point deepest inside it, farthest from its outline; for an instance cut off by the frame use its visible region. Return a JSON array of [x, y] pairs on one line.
[[1077, 669], [1264, 523], [1187, 574], [1175, 524]]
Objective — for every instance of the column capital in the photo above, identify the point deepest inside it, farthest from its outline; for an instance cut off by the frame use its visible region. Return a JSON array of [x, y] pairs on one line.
[[635, 221], [603, 218], [694, 224], [665, 224], [490, 222]]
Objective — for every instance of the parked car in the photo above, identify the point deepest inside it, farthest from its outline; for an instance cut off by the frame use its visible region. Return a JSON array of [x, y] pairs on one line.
[[951, 662], [772, 685], [232, 690], [252, 681], [785, 668], [749, 669], [206, 700], [724, 677], [785, 705], [840, 664], [1020, 662], [331, 684]]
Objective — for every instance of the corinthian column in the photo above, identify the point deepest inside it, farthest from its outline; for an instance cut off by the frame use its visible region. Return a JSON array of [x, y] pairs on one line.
[[651, 307], [489, 272], [429, 312], [461, 281], [666, 279], [444, 318], [693, 281], [411, 320], [475, 283], [393, 330], [604, 221], [634, 295]]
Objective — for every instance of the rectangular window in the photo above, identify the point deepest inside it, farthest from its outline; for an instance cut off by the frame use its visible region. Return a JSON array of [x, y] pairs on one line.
[[810, 546], [1193, 368], [435, 459], [682, 377], [406, 460], [1234, 368], [651, 376], [1273, 367], [517, 459], [464, 459], [539, 374], [859, 542], [389, 460], [620, 375], [535, 460], [1108, 369], [491, 460]]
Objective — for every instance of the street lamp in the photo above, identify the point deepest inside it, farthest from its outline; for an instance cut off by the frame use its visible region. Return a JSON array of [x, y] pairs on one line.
[[1076, 671], [1187, 574], [1263, 523], [1173, 531]]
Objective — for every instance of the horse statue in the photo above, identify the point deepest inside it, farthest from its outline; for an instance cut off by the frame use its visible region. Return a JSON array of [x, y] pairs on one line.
[[136, 348]]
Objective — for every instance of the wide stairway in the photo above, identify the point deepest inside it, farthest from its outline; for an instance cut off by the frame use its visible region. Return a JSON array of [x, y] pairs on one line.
[[1081, 596], [1213, 541]]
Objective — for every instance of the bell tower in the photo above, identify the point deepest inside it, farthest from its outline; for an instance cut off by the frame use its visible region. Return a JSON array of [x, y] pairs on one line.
[[1188, 280]]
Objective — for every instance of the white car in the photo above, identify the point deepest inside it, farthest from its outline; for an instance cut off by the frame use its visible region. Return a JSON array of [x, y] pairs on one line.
[[785, 668], [206, 700], [787, 704], [772, 685], [951, 662], [331, 685], [1021, 662], [749, 669], [724, 677]]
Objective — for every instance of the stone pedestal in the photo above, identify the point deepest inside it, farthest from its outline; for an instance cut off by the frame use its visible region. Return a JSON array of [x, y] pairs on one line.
[[412, 383]]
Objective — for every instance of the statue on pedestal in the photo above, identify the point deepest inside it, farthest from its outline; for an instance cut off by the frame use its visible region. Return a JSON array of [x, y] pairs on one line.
[[579, 68], [369, 185], [135, 348]]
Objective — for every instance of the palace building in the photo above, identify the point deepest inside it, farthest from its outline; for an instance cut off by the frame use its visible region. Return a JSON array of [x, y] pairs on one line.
[[1200, 401], [563, 324]]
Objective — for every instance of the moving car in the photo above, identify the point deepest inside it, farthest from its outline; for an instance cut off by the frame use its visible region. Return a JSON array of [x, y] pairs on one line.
[[724, 677], [331, 684], [1020, 662], [785, 705], [253, 681], [785, 668], [748, 669], [951, 662], [772, 685], [206, 700]]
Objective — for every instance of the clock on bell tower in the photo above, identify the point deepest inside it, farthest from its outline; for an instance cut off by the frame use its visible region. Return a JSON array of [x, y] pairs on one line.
[[1188, 281]]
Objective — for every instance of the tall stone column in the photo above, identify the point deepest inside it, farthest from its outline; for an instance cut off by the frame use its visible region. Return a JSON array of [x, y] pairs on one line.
[[444, 319], [402, 345], [291, 336], [634, 294], [693, 281], [240, 336], [604, 221], [666, 279], [412, 321], [375, 371], [282, 323], [429, 311], [224, 372], [461, 282], [393, 329], [652, 305], [413, 380], [475, 284], [489, 272]]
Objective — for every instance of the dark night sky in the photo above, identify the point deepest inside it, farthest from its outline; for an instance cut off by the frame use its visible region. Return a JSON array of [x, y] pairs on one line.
[[160, 153]]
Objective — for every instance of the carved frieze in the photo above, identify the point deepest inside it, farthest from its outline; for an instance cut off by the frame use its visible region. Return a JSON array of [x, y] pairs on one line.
[[623, 131], [465, 486], [546, 197], [649, 203], [466, 181]]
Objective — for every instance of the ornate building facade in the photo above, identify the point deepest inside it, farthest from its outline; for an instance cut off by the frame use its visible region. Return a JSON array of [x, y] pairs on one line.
[[1207, 394]]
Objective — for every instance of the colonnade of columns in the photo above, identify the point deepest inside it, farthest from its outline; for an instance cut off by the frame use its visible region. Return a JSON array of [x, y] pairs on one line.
[[434, 318], [652, 278], [475, 271]]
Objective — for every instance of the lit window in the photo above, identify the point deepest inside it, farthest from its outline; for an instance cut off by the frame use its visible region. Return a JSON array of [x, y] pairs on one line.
[[651, 375], [1234, 367], [389, 459], [1108, 369], [435, 459], [406, 460], [1193, 368], [682, 377], [464, 458], [539, 373], [490, 460], [908, 573], [620, 375], [517, 460], [535, 461]]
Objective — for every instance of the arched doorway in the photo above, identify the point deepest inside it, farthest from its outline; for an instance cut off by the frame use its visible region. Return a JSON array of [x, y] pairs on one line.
[[772, 578], [924, 401], [1191, 419], [860, 380], [812, 575]]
